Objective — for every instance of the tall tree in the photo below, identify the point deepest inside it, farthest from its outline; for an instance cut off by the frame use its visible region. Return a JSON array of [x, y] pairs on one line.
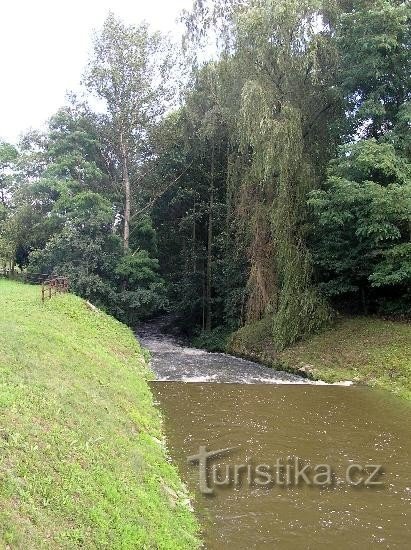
[[128, 72], [362, 235], [198, 251], [281, 58], [363, 215], [8, 158]]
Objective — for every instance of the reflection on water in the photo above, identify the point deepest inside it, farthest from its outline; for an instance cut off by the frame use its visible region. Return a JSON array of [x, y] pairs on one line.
[[319, 424]]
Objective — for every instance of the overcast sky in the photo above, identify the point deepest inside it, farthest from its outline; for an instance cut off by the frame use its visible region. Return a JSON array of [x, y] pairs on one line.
[[44, 46]]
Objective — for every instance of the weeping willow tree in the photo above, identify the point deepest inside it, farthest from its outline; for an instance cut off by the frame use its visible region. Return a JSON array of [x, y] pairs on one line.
[[281, 56]]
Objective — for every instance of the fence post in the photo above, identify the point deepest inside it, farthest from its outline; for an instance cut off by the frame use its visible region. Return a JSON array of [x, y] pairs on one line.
[[57, 285]]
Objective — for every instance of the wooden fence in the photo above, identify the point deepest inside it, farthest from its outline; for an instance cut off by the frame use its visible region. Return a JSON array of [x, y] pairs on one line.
[[50, 287]]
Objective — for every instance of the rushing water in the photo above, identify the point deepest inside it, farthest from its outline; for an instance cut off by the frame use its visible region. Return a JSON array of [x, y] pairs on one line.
[[172, 360], [263, 422]]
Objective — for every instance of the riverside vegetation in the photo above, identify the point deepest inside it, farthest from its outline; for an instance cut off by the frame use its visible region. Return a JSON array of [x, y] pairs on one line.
[[276, 185], [83, 460], [277, 188], [261, 194]]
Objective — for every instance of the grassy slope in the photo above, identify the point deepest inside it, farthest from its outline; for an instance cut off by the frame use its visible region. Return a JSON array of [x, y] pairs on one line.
[[81, 458], [362, 349]]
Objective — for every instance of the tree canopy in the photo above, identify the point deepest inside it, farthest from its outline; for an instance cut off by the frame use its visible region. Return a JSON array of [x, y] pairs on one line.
[[275, 182]]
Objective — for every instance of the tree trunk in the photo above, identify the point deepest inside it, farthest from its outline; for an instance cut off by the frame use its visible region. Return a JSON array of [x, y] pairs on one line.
[[210, 245], [203, 301], [193, 250], [127, 196]]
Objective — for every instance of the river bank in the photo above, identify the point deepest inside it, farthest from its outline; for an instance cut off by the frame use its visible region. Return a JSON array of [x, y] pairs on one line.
[[83, 461], [364, 350]]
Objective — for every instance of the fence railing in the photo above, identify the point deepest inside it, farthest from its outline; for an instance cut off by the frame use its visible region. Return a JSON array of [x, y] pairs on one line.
[[50, 287]]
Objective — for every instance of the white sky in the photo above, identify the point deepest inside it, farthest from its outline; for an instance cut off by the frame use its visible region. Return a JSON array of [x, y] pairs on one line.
[[44, 46]]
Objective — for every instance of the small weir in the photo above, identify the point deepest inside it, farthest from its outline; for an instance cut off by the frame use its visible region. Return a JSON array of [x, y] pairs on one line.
[[172, 360]]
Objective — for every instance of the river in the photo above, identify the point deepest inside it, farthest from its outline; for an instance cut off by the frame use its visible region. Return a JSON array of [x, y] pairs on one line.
[[270, 418]]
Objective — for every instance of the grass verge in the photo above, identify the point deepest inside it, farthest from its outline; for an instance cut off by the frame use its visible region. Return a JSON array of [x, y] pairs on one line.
[[362, 349], [82, 457]]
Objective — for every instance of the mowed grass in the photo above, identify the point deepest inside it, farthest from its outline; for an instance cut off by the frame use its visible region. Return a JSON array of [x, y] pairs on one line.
[[362, 349], [82, 458]]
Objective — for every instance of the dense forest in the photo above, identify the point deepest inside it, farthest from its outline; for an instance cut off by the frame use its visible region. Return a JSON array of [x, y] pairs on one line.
[[262, 170]]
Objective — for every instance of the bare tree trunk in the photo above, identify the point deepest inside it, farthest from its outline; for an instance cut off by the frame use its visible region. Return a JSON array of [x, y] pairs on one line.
[[203, 324], [210, 245], [127, 196], [193, 250]]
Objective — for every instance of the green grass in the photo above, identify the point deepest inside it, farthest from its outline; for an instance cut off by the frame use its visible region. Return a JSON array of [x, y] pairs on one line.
[[82, 458], [362, 349]]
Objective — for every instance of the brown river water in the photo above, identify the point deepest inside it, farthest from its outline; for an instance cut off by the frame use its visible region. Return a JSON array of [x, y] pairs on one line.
[[281, 419]]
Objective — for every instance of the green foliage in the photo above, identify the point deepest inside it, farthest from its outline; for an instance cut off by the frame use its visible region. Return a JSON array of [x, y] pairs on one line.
[[230, 192], [371, 160], [279, 142], [144, 291], [63, 218], [8, 158], [362, 217], [143, 235], [86, 211], [395, 267], [74, 150], [197, 155], [401, 135], [374, 39], [130, 71], [84, 434], [301, 311], [281, 127], [213, 341], [138, 268], [362, 231], [8, 155], [85, 249]]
